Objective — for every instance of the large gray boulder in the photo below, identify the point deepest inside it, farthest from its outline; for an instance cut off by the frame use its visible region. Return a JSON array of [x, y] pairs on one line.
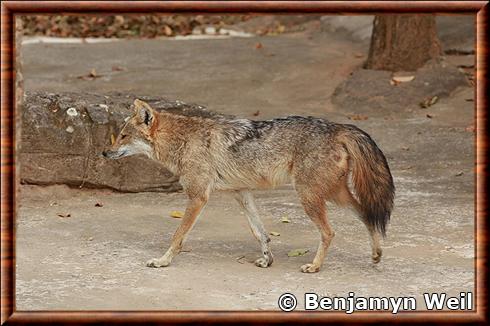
[[62, 136], [371, 90]]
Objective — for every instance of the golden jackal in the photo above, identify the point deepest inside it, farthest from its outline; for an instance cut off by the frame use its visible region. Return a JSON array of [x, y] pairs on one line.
[[325, 161]]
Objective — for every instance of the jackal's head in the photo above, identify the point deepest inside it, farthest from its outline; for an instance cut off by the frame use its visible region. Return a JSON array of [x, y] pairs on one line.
[[134, 137]]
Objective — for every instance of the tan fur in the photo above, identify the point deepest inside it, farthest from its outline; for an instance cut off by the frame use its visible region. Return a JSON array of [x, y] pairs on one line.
[[224, 153]]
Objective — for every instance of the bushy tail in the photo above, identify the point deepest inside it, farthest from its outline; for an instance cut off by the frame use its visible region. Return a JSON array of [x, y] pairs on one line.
[[371, 177]]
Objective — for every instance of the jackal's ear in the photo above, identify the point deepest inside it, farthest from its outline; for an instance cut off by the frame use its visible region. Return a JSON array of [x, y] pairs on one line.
[[144, 112]]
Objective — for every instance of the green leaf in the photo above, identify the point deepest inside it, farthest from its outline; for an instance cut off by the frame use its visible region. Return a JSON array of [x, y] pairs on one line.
[[297, 252]]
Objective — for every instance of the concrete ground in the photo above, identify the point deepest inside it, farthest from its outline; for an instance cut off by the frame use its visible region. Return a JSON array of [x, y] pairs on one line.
[[95, 258]]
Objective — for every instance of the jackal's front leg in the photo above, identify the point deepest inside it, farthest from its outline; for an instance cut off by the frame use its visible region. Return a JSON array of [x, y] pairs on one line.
[[245, 199], [192, 212]]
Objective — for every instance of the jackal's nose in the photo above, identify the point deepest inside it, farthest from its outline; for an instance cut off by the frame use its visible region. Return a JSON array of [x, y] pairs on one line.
[[104, 153]]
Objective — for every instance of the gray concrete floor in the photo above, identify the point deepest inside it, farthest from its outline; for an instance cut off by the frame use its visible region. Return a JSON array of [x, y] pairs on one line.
[[95, 259]]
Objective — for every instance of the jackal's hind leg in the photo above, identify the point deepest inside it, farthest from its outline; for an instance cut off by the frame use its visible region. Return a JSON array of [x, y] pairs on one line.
[[345, 198], [315, 208], [377, 252], [246, 201]]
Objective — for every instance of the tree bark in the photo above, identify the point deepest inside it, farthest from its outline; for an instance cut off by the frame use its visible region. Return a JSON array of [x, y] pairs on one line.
[[403, 42]]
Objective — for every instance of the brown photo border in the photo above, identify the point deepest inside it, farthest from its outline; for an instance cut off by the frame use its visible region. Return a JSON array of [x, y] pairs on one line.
[[10, 133]]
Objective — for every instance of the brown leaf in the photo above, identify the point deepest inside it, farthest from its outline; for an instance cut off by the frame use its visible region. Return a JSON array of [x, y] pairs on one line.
[[256, 113], [429, 101], [357, 117], [167, 30], [117, 68], [91, 75], [258, 45], [402, 79], [98, 204], [430, 116], [64, 215]]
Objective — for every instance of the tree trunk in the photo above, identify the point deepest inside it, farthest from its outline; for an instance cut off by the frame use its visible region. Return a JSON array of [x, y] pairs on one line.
[[403, 42]]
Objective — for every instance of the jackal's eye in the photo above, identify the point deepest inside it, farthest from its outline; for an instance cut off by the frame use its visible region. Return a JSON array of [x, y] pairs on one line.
[[123, 136]]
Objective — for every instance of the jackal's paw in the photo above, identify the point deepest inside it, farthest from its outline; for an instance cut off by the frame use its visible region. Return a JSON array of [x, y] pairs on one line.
[[157, 262], [377, 256], [310, 268], [263, 262]]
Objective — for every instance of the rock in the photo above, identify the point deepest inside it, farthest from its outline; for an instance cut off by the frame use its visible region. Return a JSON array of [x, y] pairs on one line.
[[372, 90], [60, 147], [98, 114]]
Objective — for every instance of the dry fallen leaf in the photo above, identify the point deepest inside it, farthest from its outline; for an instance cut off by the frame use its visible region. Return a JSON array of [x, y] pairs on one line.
[[402, 79], [258, 45], [405, 148], [64, 215], [117, 68], [357, 117], [429, 102], [177, 214], [460, 173], [167, 30], [297, 252], [256, 113], [98, 205], [90, 76], [239, 259], [276, 234], [285, 219], [429, 116]]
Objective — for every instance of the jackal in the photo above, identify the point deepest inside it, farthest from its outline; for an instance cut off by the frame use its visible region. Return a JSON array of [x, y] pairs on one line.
[[325, 161]]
